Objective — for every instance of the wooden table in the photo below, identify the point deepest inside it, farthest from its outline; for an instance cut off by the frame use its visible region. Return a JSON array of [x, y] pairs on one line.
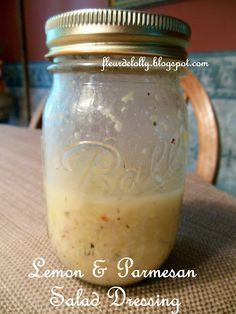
[[206, 243]]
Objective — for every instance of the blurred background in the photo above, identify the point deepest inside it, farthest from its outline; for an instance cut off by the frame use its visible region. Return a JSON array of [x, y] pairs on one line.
[[24, 80]]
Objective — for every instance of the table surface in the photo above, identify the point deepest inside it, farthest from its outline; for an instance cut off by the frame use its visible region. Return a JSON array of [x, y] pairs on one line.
[[205, 243]]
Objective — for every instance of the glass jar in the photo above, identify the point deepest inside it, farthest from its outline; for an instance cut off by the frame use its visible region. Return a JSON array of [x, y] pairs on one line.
[[115, 144]]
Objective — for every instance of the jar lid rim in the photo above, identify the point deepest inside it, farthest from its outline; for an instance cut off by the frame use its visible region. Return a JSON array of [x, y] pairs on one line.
[[115, 31]]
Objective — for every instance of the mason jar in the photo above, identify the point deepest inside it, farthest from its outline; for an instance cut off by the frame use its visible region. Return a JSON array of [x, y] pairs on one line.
[[114, 140]]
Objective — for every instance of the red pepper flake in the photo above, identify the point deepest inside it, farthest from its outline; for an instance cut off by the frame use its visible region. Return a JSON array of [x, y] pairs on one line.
[[173, 141], [104, 218]]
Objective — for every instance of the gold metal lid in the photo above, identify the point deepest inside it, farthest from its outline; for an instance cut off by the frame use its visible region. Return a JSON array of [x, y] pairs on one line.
[[106, 31]]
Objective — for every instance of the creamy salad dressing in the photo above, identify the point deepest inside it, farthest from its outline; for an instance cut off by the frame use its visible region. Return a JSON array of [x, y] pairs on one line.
[[114, 141], [84, 228]]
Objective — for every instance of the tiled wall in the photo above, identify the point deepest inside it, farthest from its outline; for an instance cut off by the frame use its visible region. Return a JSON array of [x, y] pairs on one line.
[[219, 80]]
